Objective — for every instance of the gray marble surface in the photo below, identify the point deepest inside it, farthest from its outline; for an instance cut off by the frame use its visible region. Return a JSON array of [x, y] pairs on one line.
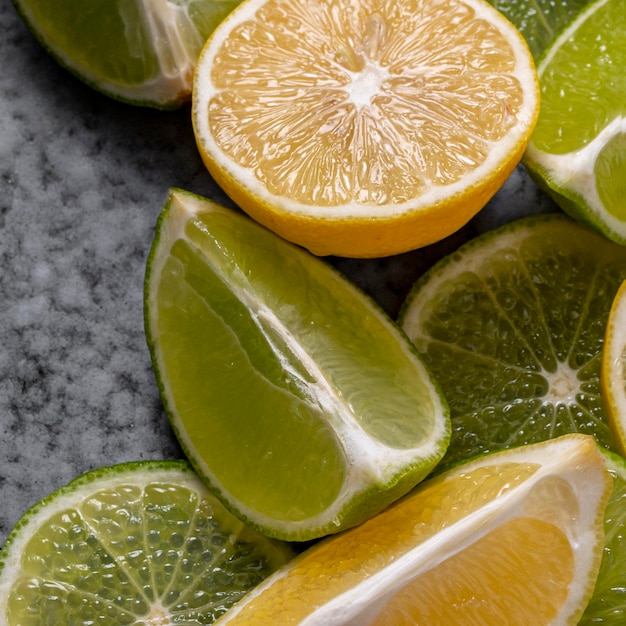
[[82, 181]]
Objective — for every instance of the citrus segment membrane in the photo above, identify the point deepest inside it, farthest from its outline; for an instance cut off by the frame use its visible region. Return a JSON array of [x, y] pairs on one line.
[[141, 542], [516, 534], [577, 151], [302, 405], [138, 51], [363, 129], [512, 325]]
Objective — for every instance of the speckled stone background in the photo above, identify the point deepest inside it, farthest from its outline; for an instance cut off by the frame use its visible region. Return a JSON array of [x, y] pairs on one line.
[[82, 181]]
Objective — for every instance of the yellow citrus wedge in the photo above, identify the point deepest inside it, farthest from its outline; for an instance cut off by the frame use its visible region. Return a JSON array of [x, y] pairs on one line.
[[613, 369], [513, 538], [367, 129]]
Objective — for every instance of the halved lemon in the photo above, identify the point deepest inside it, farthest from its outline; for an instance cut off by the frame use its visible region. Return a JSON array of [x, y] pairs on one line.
[[363, 129]]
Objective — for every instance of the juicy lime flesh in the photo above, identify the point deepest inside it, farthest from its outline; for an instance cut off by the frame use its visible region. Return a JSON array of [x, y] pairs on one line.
[[130, 553], [539, 20], [610, 171], [583, 83], [608, 603], [376, 105], [113, 42], [261, 380], [514, 332]]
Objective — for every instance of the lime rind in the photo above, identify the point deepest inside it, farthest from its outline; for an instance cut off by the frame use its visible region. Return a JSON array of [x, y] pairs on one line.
[[608, 602], [512, 325], [108, 543], [311, 374]]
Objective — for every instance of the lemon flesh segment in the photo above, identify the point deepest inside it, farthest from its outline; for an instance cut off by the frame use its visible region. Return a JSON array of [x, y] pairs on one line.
[[512, 325], [613, 372], [578, 148], [142, 542], [298, 400], [363, 130], [512, 538], [136, 51]]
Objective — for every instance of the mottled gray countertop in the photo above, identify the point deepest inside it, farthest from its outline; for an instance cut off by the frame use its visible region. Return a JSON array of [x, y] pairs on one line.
[[82, 181]]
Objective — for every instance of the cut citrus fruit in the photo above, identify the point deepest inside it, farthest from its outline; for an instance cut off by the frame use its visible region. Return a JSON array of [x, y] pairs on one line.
[[514, 538], [539, 21], [512, 325], [136, 51], [299, 401], [608, 603], [613, 371], [578, 149], [367, 129], [137, 543]]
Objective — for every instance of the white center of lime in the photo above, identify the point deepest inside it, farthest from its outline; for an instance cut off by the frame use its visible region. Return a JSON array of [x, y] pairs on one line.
[[563, 384]]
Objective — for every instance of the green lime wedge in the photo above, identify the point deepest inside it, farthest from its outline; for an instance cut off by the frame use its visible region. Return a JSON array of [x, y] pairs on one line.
[[608, 603], [539, 21], [132, 50], [577, 152], [136, 543], [302, 405], [512, 325]]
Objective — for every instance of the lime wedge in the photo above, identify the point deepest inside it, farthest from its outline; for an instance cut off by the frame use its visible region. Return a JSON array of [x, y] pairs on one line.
[[136, 51], [512, 325], [578, 149], [137, 543], [299, 401]]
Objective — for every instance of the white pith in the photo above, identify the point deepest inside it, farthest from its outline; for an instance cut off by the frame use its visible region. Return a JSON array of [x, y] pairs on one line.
[[574, 171]]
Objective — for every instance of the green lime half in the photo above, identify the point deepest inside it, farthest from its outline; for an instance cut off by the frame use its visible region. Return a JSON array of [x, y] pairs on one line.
[[299, 401], [608, 603], [132, 50], [578, 149], [512, 325], [136, 543]]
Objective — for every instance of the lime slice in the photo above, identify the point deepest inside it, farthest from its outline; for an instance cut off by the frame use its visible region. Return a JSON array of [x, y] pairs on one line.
[[513, 538], [137, 543], [539, 21], [299, 401], [512, 325], [578, 148], [608, 603], [136, 51]]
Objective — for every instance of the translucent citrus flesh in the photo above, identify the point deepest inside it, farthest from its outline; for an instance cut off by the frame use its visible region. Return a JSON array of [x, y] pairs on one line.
[[128, 544], [290, 390], [382, 124], [523, 566], [512, 325], [138, 51], [613, 372], [354, 112], [582, 81]]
